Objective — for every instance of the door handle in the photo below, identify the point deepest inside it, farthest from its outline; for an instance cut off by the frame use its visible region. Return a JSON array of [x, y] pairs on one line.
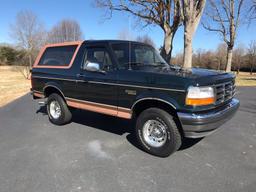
[[79, 75]]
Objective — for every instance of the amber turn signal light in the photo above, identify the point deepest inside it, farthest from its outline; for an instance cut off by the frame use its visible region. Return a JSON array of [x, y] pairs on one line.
[[202, 101]]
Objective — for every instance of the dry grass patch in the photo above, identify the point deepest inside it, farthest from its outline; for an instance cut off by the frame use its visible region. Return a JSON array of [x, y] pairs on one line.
[[12, 85], [245, 79]]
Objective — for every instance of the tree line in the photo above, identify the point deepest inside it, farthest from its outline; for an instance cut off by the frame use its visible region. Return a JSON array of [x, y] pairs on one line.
[[29, 35], [244, 58], [219, 16]]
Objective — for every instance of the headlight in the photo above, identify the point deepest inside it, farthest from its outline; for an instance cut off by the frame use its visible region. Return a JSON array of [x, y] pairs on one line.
[[200, 96]]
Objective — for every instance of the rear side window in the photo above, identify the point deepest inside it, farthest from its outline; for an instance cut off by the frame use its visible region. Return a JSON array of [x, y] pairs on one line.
[[57, 56]]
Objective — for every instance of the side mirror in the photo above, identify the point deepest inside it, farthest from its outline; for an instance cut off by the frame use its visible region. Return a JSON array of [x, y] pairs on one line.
[[94, 67]]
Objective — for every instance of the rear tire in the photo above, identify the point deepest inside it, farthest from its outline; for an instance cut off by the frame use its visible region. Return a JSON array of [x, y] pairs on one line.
[[157, 132], [57, 110]]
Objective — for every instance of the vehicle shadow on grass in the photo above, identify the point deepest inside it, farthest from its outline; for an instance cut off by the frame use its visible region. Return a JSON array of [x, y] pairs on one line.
[[113, 125]]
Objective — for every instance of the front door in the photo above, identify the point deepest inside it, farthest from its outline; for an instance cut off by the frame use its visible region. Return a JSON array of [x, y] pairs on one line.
[[96, 89]]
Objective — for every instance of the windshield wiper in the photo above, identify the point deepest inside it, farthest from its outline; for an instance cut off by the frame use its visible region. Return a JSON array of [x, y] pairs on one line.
[[155, 65], [175, 67], [134, 63], [141, 64], [160, 62]]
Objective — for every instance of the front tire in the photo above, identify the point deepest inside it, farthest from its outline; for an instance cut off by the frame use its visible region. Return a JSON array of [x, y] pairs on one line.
[[157, 132], [57, 110]]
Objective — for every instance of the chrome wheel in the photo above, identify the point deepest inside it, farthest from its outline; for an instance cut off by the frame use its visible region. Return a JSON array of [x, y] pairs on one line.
[[54, 109], [154, 133]]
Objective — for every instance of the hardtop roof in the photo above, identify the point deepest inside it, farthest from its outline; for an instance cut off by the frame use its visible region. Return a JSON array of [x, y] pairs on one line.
[[113, 41], [92, 41]]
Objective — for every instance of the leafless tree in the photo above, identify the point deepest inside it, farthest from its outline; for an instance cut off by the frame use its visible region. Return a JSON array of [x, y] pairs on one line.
[[29, 34], [238, 57], [146, 39], [225, 18], [21, 64], [178, 58], [125, 34], [163, 13], [252, 11], [252, 55], [197, 57], [192, 12], [221, 56], [24, 70], [243, 58], [64, 31]]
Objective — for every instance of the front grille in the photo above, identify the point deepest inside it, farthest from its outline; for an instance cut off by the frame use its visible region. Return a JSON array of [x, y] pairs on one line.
[[225, 91]]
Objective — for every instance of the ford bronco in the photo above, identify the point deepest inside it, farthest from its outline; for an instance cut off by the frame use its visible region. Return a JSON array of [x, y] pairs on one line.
[[131, 80]]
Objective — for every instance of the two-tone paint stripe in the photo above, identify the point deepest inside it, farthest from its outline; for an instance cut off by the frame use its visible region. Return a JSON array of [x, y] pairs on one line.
[[112, 110], [56, 78], [38, 94], [114, 84], [100, 108]]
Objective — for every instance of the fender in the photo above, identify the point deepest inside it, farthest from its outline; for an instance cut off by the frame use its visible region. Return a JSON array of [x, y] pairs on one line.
[[159, 96], [53, 85]]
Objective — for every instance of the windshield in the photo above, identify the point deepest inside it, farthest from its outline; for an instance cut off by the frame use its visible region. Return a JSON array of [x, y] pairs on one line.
[[135, 54]]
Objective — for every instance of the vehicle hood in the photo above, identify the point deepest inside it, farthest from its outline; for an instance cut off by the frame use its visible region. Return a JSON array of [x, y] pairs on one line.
[[199, 72], [196, 76], [204, 76]]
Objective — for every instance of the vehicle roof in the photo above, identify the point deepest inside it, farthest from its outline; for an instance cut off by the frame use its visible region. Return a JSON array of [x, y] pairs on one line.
[[91, 41], [112, 41]]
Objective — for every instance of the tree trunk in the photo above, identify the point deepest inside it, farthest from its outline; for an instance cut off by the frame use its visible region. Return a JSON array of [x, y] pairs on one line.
[[166, 52], [229, 59], [188, 51], [192, 12], [30, 60], [238, 68], [251, 67], [219, 64]]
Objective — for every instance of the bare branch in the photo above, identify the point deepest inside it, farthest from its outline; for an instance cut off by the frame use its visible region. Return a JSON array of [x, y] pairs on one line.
[[226, 9], [165, 14], [227, 23], [238, 13], [64, 31], [146, 39], [209, 28], [29, 33]]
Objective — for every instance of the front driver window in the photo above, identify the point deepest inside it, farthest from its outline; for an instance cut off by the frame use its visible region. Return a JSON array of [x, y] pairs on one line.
[[136, 54], [100, 56]]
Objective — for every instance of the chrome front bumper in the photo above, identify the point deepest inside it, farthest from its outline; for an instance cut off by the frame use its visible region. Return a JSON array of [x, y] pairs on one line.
[[201, 124]]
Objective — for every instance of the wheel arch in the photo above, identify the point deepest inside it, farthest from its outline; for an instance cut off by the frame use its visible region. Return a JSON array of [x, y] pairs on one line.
[[149, 102], [52, 88]]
